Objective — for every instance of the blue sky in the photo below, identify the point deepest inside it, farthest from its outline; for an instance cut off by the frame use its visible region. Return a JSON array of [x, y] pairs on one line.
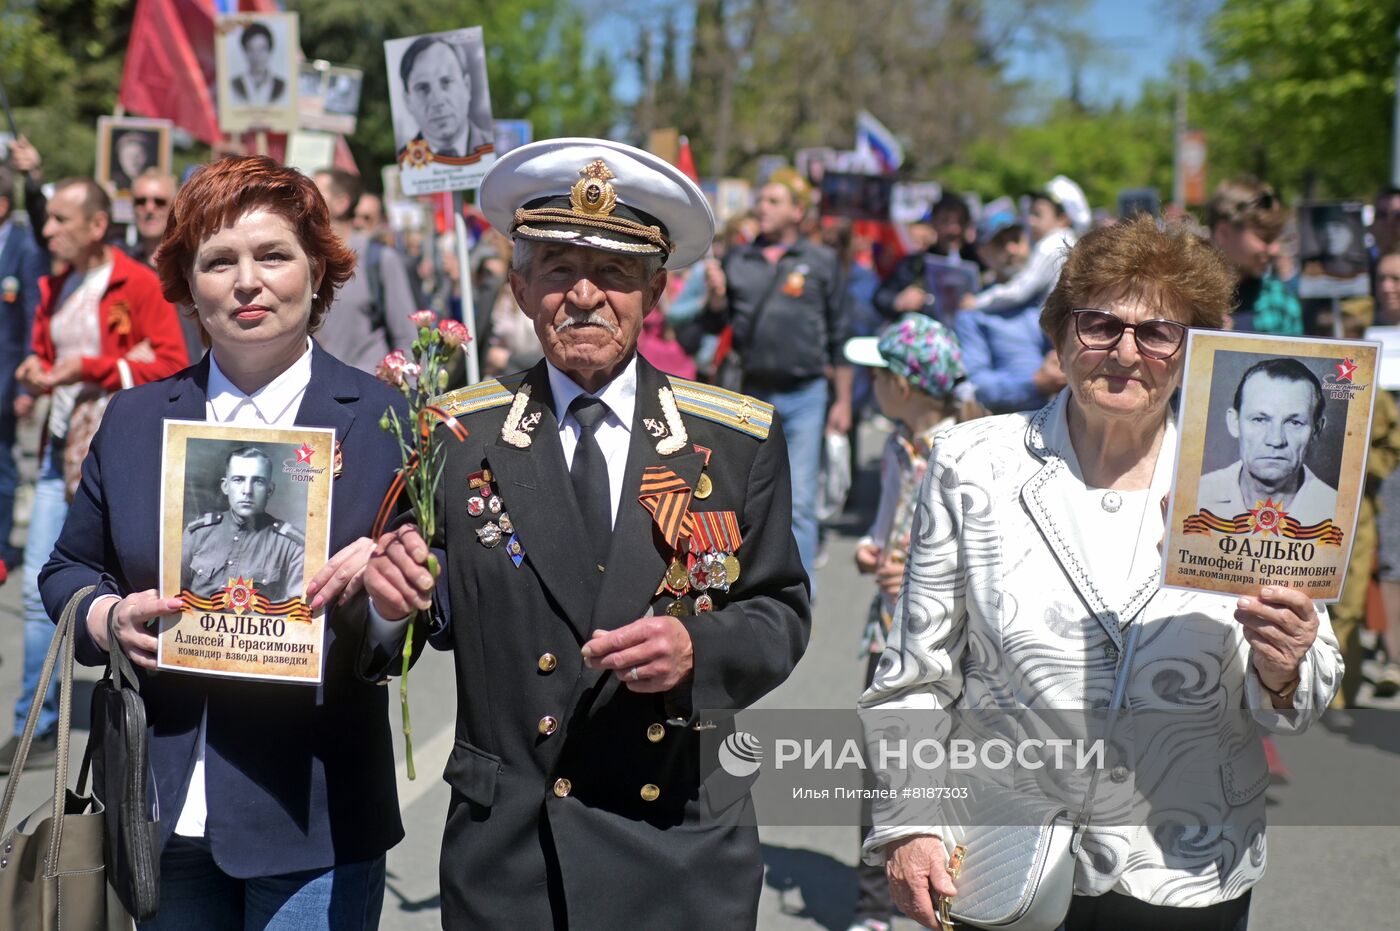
[[1135, 40]]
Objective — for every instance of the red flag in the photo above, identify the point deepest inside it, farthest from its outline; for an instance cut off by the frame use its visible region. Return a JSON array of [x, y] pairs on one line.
[[169, 66], [686, 162]]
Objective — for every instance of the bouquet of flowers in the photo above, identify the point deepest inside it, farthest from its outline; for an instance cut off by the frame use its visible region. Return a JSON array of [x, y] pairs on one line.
[[421, 376]]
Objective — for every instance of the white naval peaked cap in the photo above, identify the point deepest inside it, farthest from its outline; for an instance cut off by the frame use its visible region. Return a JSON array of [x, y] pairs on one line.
[[599, 194]]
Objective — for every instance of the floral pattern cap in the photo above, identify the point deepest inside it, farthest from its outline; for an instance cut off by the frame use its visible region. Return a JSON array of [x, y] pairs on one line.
[[917, 348]]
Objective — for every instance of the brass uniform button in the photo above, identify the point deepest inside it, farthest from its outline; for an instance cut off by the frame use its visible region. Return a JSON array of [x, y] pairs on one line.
[[547, 662], [704, 487], [548, 725], [562, 787], [650, 793], [656, 733]]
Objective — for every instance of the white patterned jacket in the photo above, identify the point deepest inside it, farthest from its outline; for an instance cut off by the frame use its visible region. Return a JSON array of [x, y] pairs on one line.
[[999, 612]]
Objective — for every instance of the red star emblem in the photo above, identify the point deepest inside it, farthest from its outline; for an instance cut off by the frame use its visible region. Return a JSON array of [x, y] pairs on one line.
[[240, 592], [1345, 370], [305, 453], [1267, 517]]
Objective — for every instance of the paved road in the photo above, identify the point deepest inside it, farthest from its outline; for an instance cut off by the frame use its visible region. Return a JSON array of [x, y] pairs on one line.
[[1337, 877]]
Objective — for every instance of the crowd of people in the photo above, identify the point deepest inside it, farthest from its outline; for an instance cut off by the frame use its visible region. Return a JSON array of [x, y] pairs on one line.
[[734, 353]]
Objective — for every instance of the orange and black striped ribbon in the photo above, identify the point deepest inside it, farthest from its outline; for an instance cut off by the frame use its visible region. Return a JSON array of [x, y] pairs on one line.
[[1203, 522], [425, 419], [666, 495], [294, 609]]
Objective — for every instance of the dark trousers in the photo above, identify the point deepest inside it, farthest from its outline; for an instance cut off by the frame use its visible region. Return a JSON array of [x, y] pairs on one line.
[[1113, 911], [873, 898]]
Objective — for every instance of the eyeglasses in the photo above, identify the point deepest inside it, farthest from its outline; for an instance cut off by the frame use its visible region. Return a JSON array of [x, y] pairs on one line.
[[153, 201], [1155, 339]]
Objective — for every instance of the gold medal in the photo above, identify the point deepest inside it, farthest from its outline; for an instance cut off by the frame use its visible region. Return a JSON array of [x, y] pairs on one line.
[[677, 577], [731, 568], [704, 487], [677, 609]]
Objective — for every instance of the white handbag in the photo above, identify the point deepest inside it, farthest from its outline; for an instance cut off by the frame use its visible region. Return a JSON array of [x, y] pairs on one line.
[[1016, 873]]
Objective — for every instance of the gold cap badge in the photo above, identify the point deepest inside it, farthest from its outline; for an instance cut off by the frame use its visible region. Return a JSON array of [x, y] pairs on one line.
[[592, 194]]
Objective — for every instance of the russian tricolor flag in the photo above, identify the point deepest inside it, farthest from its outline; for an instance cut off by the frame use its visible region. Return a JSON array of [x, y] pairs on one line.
[[876, 145]]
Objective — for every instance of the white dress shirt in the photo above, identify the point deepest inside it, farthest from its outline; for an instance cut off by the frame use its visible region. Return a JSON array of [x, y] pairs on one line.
[[273, 405], [614, 432]]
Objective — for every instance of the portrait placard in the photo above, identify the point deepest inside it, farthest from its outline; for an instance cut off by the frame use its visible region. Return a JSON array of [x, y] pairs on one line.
[[443, 131], [1271, 459], [328, 97], [256, 67], [1332, 250], [245, 524], [126, 147]]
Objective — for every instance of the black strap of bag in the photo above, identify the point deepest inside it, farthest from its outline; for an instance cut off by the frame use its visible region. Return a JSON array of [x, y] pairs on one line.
[[118, 757], [730, 372]]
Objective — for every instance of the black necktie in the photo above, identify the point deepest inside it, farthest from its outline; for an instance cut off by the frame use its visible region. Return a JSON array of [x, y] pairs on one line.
[[589, 472]]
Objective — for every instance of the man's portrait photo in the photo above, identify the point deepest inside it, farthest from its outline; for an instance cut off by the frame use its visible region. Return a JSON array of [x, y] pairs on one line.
[[244, 519], [440, 101], [1270, 438], [258, 73], [127, 147], [1332, 239]]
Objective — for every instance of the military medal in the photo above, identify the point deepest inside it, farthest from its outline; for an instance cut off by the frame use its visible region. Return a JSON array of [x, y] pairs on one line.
[[480, 479], [677, 579], [515, 550], [489, 535], [338, 462], [475, 506], [493, 504], [731, 568], [704, 487], [714, 568], [700, 575], [677, 609], [704, 604], [506, 523]]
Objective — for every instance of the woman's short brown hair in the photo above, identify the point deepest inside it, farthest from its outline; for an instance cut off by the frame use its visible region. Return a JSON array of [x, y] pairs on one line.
[[1165, 264], [218, 194]]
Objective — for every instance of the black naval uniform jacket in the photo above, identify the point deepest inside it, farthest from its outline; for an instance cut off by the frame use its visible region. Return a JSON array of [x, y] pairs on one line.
[[297, 777], [577, 803]]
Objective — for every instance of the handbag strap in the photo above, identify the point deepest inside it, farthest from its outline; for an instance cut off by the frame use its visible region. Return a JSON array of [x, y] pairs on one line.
[[1120, 687], [62, 641], [121, 674]]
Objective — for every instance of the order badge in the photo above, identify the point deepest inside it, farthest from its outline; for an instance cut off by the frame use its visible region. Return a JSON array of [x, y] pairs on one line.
[[245, 524]]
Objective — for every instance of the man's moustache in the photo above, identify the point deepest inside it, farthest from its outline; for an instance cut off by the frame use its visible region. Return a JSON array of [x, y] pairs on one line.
[[592, 317]]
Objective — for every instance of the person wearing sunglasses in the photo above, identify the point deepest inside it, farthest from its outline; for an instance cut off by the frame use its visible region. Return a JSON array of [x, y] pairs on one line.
[[1246, 220], [151, 195], [1034, 570]]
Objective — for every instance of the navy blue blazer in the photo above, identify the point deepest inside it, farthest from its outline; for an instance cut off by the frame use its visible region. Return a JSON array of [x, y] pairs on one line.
[[22, 261], [297, 777]]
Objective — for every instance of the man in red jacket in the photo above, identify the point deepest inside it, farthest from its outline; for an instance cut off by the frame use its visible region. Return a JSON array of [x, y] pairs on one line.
[[101, 325]]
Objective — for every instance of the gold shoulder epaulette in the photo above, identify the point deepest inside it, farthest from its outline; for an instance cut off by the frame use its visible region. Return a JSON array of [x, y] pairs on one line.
[[739, 411], [481, 396]]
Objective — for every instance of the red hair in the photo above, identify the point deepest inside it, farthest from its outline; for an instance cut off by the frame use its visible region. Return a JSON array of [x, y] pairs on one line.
[[218, 194]]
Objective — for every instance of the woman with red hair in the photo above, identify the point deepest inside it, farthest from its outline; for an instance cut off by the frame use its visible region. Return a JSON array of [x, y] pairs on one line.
[[276, 802]]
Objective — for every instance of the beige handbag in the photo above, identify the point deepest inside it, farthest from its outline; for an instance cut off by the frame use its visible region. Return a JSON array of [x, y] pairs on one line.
[[52, 875]]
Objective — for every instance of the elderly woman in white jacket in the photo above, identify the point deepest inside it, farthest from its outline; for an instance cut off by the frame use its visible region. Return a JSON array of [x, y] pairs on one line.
[[1035, 548]]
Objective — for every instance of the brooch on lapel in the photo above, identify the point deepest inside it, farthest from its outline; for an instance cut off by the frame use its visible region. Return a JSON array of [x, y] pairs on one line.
[[517, 427], [676, 440], [338, 463], [487, 499], [119, 319]]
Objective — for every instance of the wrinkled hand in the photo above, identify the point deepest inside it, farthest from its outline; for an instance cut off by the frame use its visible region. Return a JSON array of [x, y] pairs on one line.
[[890, 573], [342, 576], [32, 375], [867, 557], [838, 419], [658, 648], [1280, 626], [134, 612], [910, 300], [917, 869], [397, 577]]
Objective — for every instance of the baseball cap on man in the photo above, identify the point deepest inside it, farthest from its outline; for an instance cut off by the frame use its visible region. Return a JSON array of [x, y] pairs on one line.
[[995, 223], [918, 349]]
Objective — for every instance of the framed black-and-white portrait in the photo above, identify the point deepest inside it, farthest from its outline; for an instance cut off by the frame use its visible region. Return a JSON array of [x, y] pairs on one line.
[[258, 76], [329, 97], [127, 147], [441, 104]]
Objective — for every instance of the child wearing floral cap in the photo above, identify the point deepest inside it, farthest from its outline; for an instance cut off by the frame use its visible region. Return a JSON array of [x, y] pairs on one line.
[[917, 367]]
